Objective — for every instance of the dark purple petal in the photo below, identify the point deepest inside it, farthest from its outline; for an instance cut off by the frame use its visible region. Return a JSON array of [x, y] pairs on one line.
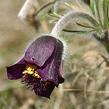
[[61, 79], [40, 50], [15, 71], [44, 88], [51, 73], [58, 62], [47, 73], [53, 69]]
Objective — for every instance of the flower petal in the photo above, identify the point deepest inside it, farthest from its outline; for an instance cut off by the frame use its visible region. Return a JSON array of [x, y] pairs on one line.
[[44, 88], [15, 71], [40, 50], [58, 62], [53, 69], [61, 79]]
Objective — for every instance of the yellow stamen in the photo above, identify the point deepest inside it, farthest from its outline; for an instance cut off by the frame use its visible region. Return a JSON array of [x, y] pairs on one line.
[[31, 70], [36, 75]]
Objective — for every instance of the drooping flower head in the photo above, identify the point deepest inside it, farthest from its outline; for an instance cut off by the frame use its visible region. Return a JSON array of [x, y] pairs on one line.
[[41, 67]]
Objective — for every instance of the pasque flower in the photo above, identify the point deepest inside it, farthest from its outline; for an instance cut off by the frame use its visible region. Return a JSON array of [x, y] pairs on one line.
[[41, 67]]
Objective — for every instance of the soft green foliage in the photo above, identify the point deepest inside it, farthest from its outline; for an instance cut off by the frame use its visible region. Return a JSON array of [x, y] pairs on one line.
[[97, 16], [106, 13]]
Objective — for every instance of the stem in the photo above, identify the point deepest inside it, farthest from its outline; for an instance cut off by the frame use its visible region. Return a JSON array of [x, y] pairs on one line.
[[28, 5], [43, 7], [67, 18], [88, 91], [28, 13]]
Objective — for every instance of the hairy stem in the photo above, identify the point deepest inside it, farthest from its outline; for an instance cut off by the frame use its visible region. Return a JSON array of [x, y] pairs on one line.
[[67, 18], [26, 8]]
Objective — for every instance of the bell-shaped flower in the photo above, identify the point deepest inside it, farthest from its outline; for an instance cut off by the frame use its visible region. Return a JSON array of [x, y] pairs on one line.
[[41, 67]]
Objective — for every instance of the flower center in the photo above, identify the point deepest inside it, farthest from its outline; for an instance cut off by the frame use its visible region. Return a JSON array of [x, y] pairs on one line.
[[31, 70]]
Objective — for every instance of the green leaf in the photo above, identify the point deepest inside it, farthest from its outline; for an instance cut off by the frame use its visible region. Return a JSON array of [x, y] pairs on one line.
[[92, 6], [98, 11], [86, 26], [78, 31], [95, 7], [105, 13], [86, 16]]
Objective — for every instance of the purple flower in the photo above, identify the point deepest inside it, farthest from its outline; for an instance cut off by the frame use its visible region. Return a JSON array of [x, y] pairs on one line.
[[41, 67]]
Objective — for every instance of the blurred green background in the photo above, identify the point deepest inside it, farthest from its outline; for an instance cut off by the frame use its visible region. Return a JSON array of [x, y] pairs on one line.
[[85, 70]]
